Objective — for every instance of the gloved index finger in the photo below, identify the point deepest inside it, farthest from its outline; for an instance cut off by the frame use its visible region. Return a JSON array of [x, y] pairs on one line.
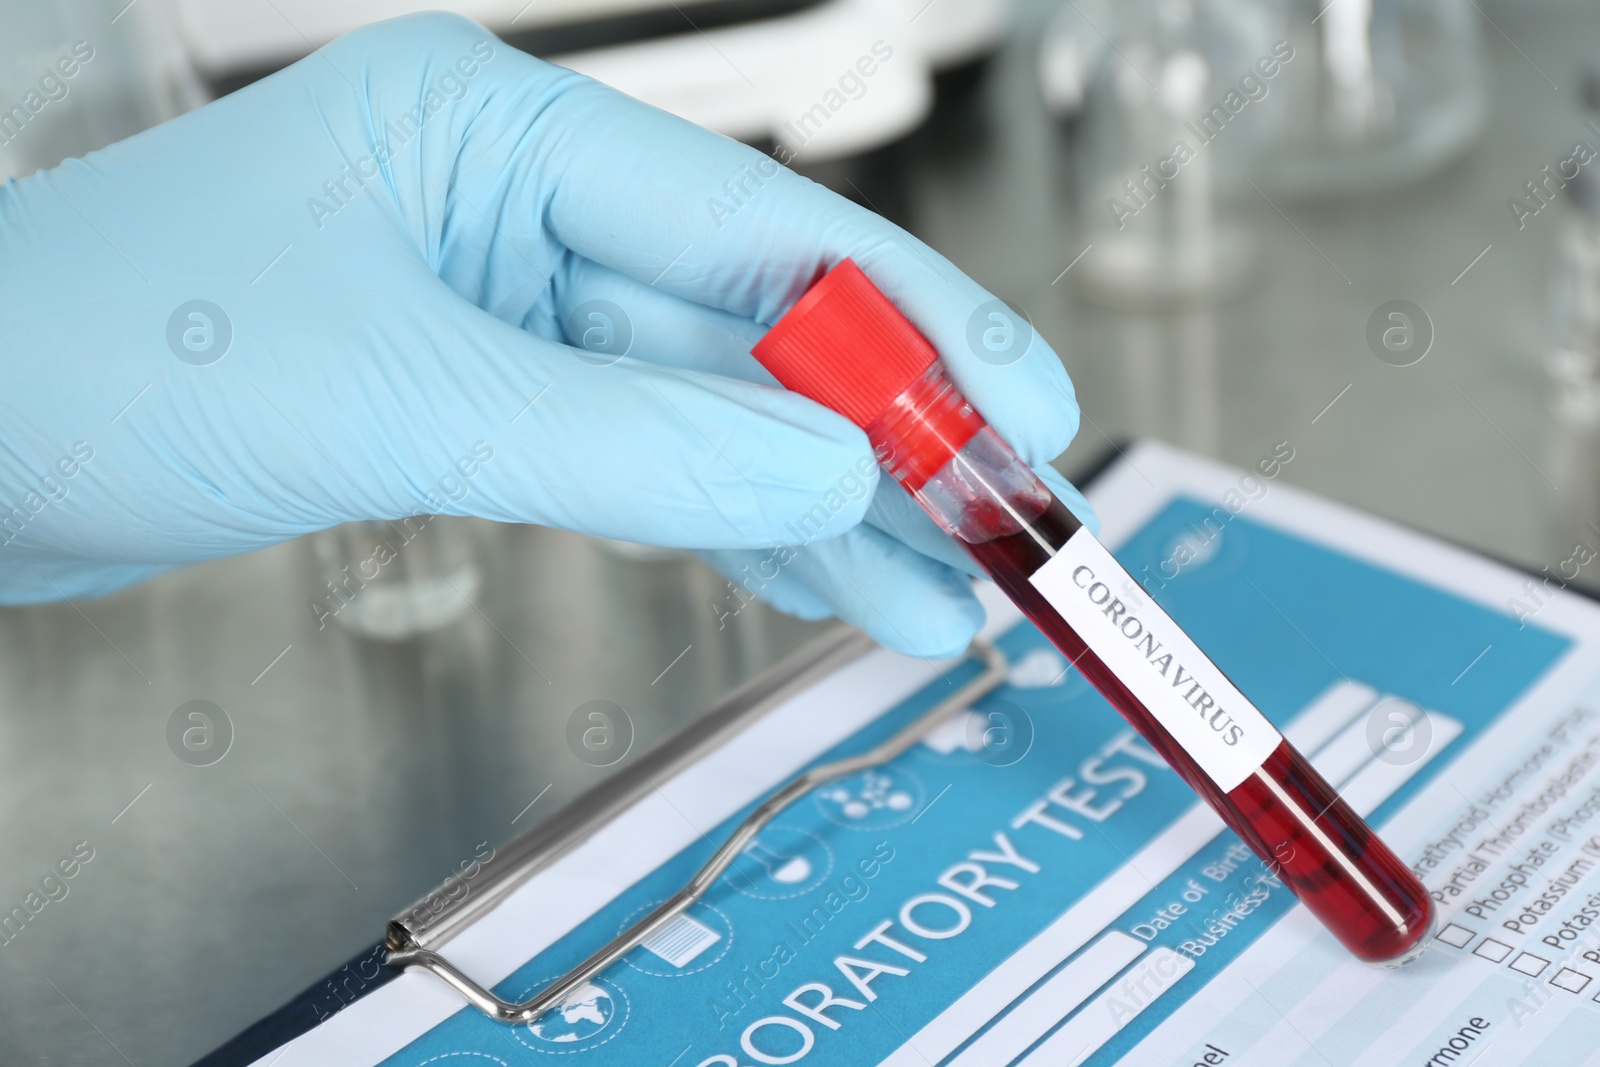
[[678, 207]]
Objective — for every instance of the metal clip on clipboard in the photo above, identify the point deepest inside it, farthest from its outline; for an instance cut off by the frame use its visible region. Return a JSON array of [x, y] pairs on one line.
[[410, 935]]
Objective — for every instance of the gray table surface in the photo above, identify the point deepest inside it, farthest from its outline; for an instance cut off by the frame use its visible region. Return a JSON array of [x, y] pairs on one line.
[[361, 774]]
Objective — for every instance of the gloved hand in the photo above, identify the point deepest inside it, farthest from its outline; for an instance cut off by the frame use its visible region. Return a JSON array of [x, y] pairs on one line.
[[396, 244]]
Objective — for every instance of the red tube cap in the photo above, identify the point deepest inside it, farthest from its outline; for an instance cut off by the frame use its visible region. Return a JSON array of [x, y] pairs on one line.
[[845, 346]]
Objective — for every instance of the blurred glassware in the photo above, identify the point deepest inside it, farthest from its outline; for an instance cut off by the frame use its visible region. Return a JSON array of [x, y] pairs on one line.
[[1071, 49], [1382, 92], [1574, 360], [392, 581], [638, 553], [76, 76], [1171, 124]]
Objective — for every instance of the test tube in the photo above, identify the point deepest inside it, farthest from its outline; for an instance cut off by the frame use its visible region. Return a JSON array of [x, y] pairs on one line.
[[845, 346]]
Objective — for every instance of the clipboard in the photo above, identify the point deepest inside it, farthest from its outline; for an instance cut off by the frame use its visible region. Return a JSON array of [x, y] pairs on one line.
[[430, 923]]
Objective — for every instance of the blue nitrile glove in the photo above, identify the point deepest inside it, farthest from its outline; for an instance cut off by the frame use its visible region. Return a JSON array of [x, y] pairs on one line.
[[395, 242]]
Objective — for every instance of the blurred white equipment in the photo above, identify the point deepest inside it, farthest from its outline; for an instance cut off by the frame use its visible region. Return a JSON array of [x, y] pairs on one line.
[[758, 70]]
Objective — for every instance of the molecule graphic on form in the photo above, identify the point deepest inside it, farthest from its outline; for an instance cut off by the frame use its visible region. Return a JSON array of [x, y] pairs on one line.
[[871, 792]]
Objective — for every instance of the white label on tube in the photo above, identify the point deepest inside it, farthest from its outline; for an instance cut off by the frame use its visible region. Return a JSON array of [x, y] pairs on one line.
[[1187, 693]]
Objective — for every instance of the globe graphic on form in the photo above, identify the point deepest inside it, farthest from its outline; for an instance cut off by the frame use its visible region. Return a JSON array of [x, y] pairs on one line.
[[580, 1017]]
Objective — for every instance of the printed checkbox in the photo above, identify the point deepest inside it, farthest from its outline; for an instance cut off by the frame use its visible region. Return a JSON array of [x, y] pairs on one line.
[[1492, 950], [1529, 964], [1455, 936], [1570, 980]]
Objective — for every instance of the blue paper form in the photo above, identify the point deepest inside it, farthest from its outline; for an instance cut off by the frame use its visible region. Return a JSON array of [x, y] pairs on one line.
[[875, 904]]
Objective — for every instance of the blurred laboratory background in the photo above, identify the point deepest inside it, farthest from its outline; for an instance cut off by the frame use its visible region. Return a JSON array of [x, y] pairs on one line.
[[1367, 228]]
